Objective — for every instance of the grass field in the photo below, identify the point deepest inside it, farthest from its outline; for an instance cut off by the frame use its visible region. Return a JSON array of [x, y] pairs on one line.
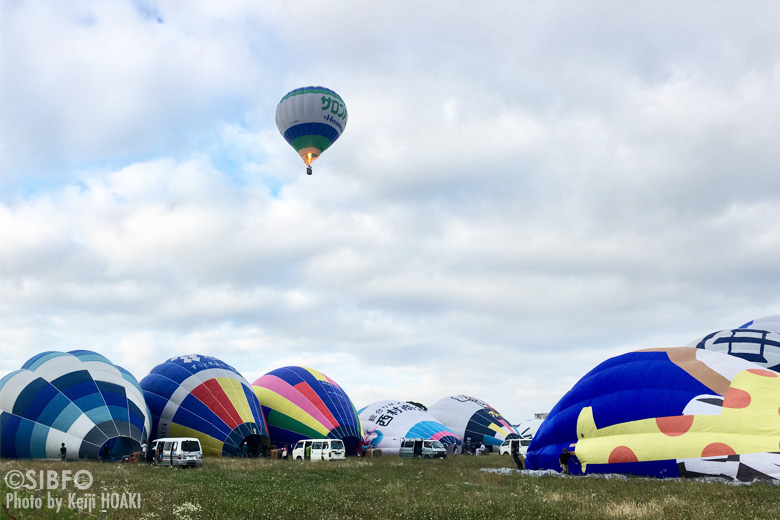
[[381, 488]]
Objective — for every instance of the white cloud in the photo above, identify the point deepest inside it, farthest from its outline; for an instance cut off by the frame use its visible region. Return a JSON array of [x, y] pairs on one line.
[[519, 193]]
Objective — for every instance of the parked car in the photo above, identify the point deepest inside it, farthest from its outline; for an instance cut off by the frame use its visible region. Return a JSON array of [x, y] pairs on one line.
[[319, 449], [422, 448], [177, 451], [508, 445]]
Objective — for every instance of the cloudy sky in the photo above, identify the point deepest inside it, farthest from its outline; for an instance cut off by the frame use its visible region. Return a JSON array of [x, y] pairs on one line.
[[524, 188]]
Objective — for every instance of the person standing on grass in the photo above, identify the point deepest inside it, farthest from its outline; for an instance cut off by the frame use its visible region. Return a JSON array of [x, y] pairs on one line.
[[519, 459], [150, 454], [63, 452], [564, 460]]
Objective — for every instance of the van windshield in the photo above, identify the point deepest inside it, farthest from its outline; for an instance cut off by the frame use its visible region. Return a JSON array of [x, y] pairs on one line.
[[336, 445], [190, 446], [437, 444]]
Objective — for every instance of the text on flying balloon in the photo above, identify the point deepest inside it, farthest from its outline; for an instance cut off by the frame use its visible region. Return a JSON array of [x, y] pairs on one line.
[[335, 106]]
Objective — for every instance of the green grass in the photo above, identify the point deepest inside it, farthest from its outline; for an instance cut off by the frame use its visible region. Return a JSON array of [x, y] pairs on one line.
[[390, 487]]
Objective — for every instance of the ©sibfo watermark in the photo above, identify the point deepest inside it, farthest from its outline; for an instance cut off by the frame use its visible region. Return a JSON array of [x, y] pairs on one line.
[[48, 479], [28, 487]]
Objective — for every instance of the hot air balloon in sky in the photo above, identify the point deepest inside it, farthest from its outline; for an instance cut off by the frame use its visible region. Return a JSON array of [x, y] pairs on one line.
[[473, 420], [303, 403], [203, 397], [78, 398], [387, 422], [311, 119], [676, 412]]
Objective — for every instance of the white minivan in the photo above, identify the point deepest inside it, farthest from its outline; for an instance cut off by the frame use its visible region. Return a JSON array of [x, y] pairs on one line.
[[185, 452], [422, 448], [319, 449], [509, 444]]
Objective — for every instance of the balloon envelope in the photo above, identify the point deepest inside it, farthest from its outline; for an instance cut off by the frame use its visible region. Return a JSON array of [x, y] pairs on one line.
[[646, 412], [768, 323], [203, 397], [527, 429], [311, 119], [78, 398], [473, 420], [761, 347], [303, 403], [387, 422]]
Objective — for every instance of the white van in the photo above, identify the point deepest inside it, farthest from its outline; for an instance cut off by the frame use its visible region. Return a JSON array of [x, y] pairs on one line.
[[319, 449], [423, 448], [185, 452], [508, 445]]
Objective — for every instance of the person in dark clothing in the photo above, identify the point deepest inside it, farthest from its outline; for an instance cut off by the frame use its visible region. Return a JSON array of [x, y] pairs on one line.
[[564, 460], [63, 452], [519, 459], [158, 457], [150, 454]]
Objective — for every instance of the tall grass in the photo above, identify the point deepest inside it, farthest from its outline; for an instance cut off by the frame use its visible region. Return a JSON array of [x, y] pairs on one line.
[[390, 487]]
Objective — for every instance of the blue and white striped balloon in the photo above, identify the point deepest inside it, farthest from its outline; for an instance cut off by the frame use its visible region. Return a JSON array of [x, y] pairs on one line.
[[78, 398]]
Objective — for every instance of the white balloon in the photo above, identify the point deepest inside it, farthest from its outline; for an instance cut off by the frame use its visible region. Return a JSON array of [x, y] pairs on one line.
[[472, 419], [385, 423]]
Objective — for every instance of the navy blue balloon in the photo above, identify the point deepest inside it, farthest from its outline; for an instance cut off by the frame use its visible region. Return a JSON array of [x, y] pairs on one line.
[[633, 386]]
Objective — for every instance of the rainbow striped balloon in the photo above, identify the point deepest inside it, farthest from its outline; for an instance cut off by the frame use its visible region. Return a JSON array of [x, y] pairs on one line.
[[203, 397], [311, 119], [302, 403]]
